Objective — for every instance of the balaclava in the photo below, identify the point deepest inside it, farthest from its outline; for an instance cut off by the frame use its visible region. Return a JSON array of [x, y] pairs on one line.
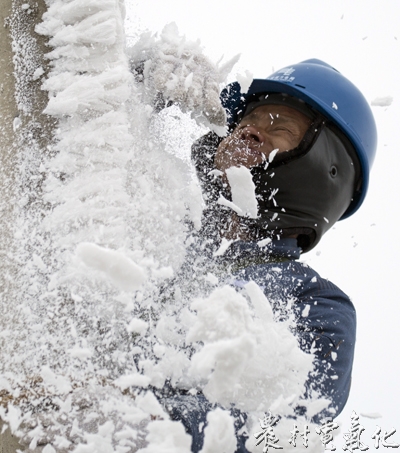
[[302, 192]]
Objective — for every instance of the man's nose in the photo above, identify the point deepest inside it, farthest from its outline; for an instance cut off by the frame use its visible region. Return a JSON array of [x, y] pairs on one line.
[[253, 135]]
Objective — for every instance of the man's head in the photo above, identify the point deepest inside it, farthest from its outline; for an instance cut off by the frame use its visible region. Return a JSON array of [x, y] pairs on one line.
[[265, 129], [319, 168]]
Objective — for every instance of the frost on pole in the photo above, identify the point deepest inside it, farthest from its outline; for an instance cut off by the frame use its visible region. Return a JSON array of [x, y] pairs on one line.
[[101, 219]]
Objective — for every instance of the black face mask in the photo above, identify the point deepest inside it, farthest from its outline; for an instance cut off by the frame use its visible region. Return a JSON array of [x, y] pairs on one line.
[[302, 192], [308, 188]]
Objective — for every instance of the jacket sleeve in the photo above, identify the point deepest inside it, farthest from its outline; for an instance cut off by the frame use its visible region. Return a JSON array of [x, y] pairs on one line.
[[326, 326]]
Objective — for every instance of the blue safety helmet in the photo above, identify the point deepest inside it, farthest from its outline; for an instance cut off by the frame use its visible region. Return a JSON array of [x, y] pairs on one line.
[[327, 91]]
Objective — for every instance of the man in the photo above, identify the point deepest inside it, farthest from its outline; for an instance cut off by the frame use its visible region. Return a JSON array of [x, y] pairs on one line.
[[307, 136], [324, 177]]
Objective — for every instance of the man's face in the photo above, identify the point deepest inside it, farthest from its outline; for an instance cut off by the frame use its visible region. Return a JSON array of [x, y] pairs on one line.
[[267, 128]]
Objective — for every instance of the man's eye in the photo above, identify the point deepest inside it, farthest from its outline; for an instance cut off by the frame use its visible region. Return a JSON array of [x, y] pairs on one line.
[[284, 129]]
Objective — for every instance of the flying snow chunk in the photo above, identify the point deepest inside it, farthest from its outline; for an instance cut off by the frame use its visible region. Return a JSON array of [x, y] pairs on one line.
[[224, 202], [382, 102], [61, 384], [132, 380], [16, 123], [80, 353], [14, 417], [371, 415], [272, 154], [243, 191], [38, 73], [244, 81], [121, 270], [315, 406], [264, 242], [148, 403], [212, 278], [225, 243], [219, 434], [167, 436], [305, 311], [163, 272], [137, 326]]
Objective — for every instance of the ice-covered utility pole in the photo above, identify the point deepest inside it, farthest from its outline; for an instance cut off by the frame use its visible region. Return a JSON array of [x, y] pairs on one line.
[[78, 211], [8, 113], [73, 54], [22, 122], [22, 125]]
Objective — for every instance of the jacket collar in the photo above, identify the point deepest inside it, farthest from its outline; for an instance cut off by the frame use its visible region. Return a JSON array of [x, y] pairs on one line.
[[241, 254]]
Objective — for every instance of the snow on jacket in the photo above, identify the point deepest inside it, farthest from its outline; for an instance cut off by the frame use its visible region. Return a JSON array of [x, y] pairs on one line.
[[326, 326]]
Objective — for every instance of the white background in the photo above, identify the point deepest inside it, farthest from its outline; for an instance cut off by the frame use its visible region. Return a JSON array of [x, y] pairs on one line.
[[362, 40]]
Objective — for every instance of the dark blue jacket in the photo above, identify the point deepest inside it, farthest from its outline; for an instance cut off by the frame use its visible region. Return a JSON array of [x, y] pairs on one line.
[[328, 329]]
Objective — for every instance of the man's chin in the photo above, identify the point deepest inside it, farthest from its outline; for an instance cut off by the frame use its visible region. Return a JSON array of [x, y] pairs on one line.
[[252, 158]]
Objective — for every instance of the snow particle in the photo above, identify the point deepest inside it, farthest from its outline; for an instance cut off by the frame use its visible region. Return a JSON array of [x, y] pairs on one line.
[[38, 73], [132, 380], [272, 155], [370, 414], [120, 269], [264, 242], [225, 243], [212, 278], [80, 353], [243, 191], [16, 123], [384, 101], [305, 311], [137, 326], [244, 81]]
